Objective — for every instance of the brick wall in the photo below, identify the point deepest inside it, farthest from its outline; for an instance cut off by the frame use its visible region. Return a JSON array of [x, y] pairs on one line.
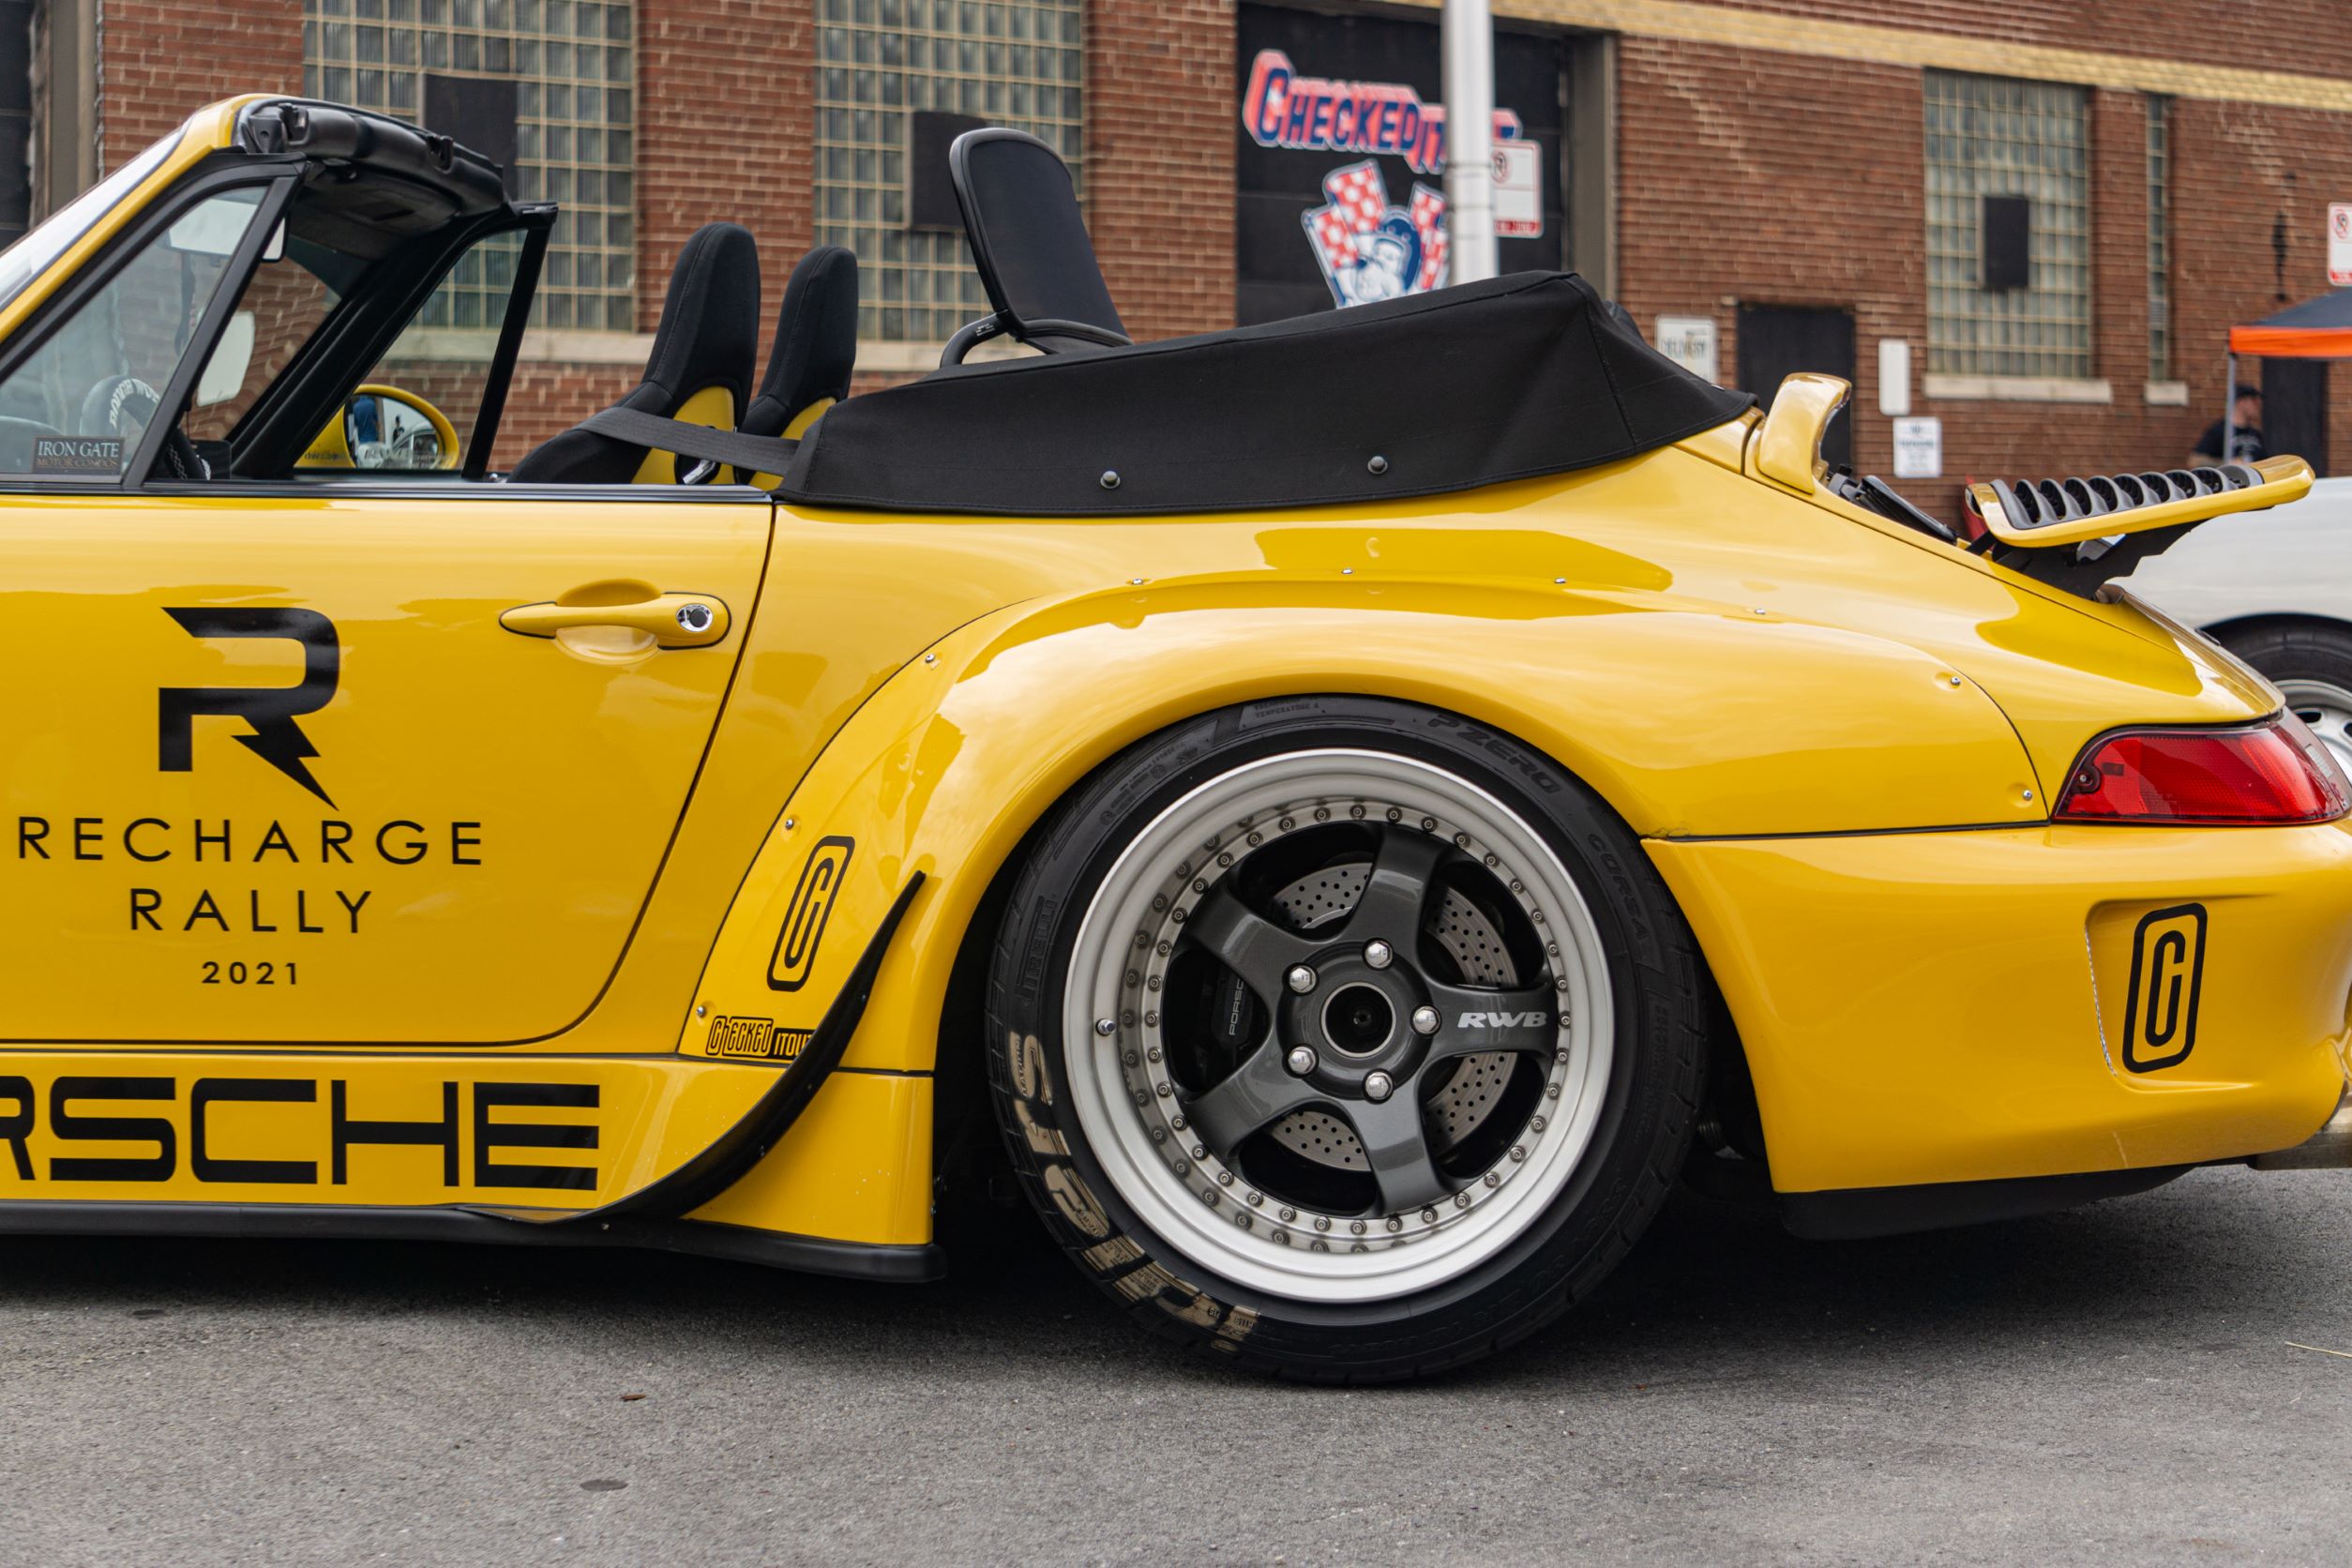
[[1160, 115], [725, 117], [161, 59], [1764, 178], [1742, 175]]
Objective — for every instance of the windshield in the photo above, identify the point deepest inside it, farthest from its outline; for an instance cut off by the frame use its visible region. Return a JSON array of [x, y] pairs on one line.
[[30, 256]]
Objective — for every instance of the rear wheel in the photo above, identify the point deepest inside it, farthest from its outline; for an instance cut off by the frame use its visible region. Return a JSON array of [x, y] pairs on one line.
[[2311, 664], [1347, 1037]]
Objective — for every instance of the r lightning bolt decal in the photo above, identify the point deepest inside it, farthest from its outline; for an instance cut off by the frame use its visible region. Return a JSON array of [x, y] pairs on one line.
[[805, 918], [271, 711]]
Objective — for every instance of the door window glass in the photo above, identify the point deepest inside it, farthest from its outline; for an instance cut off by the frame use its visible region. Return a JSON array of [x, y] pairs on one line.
[[416, 408], [77, 406]]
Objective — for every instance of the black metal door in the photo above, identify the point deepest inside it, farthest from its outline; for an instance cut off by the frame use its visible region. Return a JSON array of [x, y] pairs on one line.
[[1778, 341], [2294, 409]]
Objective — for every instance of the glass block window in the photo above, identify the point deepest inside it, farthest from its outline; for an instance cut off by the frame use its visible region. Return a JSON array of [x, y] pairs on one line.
[[1012, 64], [1991, 136], [572, 66], [2159, 238]]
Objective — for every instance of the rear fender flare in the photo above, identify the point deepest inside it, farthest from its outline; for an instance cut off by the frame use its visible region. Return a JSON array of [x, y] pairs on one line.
[[1684, 718]]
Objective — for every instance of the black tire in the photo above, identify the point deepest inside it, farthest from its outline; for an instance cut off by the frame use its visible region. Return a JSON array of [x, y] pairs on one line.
[[1653, 1081], [2312, 662]]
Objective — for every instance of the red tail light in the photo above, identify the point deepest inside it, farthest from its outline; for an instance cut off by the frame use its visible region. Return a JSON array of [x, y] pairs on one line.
[[2271, 774]]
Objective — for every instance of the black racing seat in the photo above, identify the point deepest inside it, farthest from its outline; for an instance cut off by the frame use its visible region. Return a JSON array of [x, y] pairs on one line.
[[815, 351], [699, 370], [1028, 242]]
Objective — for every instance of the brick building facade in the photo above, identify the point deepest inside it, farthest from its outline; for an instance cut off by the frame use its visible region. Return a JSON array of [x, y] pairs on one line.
[[1762, 167]]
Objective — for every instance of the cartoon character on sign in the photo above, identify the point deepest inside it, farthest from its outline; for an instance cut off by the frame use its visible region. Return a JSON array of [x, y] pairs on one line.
[[1372, 250]]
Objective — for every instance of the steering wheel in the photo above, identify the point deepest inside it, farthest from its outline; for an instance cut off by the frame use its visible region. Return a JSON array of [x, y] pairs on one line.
[[123, 407]]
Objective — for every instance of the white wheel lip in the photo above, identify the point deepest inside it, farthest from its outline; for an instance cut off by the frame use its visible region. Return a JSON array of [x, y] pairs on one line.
[[2332, 702], [1144, 1178]]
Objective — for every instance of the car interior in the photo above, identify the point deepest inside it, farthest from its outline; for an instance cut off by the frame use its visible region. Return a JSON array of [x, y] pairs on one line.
[[353, 313]]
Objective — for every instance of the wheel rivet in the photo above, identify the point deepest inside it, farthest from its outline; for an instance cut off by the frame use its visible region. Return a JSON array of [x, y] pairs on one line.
[[1253, 1199], [1356, 1225], [1518, 1151], [1461, 1200], [1289, 1214], [1378, 953], [1396, 1223], [1301, 1060], [1225, 1178], [1379, 1086], [1105, 1026], [1494, 1178], [1424, 1020], [1428, 1216], [1300, 979], [1322, 1222]]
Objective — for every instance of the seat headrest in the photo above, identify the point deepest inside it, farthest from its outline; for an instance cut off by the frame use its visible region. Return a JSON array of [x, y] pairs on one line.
[[1028, 237], [815, 352], [713, 296]]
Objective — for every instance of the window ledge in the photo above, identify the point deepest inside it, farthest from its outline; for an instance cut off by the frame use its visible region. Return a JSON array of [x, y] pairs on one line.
[[2165, 394], [2017, 389], [886, 360]]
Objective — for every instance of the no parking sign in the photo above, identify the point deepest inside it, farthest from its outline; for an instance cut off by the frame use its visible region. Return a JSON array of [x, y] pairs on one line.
[[2339, 244]]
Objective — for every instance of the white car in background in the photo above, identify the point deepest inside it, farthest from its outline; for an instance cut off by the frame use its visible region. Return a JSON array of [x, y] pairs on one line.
[[2275, 588]]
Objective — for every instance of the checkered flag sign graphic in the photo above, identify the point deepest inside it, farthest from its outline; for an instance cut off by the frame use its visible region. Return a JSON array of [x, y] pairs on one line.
[[1429, 216]]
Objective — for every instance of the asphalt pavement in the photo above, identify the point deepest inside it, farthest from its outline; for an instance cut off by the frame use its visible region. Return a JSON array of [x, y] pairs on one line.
[[2124, 1383]]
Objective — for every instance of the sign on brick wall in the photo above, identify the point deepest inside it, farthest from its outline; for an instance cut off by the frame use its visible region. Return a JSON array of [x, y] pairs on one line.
[[1339, 178]]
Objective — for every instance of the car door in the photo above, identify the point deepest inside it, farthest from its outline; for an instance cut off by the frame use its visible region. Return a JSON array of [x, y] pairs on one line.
[[388, 758]]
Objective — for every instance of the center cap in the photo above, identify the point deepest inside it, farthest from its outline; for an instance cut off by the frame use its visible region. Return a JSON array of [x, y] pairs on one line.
[[1359, 1021]]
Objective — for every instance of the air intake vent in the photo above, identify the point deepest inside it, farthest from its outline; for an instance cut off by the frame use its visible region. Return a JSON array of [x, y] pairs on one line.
[[2039, 513]]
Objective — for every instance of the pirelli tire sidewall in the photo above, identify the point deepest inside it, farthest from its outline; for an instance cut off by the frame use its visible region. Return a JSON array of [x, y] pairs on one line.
[[1655, 1081]]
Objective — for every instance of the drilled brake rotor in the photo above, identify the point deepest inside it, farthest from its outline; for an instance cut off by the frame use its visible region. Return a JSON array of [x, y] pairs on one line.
[[1323, 898]]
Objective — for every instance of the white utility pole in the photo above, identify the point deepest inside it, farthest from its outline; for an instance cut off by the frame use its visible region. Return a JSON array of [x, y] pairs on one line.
[[1467, 41]]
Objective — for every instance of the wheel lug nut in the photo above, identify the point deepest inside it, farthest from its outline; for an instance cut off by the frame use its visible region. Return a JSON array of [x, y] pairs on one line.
[[1380, 954], [1105, 1026], [1424, 1020], [1379, 1086], [1300, 979], [1301, 1060]]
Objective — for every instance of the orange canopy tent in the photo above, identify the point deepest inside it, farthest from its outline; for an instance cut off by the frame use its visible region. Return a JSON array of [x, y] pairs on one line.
[[2315, 329]]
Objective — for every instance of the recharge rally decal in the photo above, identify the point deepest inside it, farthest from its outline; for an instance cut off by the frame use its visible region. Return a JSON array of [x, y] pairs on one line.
[[346, 853]]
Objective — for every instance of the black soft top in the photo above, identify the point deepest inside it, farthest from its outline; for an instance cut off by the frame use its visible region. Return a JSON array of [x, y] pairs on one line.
[[1518, 376]]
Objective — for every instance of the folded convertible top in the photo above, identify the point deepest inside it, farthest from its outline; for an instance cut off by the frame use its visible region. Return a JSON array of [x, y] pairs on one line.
[[1517, 376]]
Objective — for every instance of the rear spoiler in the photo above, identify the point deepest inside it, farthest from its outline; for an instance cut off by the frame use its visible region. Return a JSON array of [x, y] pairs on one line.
[[2079, 533]]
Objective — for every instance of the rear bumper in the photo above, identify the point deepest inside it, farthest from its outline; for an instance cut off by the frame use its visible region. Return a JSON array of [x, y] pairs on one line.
[[1941, 1007]]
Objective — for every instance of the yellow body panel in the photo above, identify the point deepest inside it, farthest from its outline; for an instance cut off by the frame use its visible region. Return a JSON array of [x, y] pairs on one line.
[[1838, 736], [1951, 1007]]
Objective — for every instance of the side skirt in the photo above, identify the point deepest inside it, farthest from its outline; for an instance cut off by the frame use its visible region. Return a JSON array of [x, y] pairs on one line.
[[909, 1265], [1856, 1213]]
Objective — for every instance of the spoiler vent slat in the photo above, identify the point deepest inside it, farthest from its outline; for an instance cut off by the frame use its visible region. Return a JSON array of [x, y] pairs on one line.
[[2035, 514]]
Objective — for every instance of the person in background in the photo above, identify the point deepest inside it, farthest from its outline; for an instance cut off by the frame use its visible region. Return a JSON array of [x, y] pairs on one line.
[[2245, 446]]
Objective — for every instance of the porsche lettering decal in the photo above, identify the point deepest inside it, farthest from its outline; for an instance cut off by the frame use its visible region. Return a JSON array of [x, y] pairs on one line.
[[2160, 1018], [319, 1120]]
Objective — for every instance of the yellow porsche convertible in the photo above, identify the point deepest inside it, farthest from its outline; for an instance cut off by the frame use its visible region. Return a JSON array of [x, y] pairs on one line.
[[1349, 854]]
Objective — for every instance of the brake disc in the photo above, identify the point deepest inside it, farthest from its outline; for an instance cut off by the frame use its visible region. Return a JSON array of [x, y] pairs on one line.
[[1470, 939]]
